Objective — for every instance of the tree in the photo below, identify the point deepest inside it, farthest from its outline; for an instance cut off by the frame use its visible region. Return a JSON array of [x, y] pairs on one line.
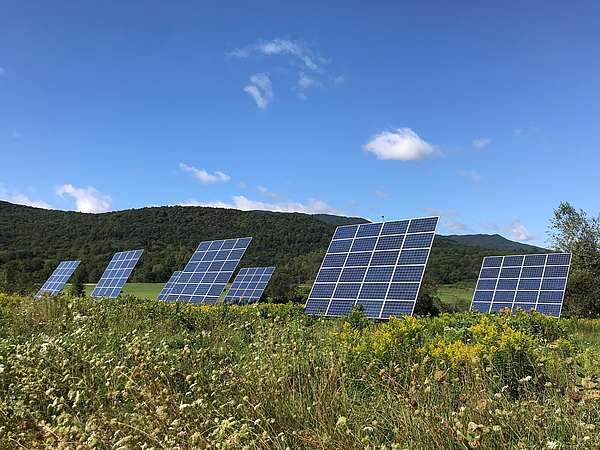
[[281, 287], [78, 286], [575, 232]]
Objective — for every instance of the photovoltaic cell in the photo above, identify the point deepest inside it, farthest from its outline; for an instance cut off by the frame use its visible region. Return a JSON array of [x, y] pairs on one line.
[[379, 266], [169, 285], [58, 279], [249, 285], [207, 273], [522, 282], [116, 274]]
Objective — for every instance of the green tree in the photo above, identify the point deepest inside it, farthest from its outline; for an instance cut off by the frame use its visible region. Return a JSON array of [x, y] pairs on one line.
[[577, 233], [79, 279], [281, 287]]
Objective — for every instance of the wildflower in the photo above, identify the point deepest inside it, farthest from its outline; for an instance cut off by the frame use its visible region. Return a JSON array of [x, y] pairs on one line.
[[551, 444], [527, 379], [497, 428], [341, 421]]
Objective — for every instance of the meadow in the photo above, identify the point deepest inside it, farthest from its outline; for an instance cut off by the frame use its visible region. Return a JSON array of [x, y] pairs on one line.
[[134, 373]]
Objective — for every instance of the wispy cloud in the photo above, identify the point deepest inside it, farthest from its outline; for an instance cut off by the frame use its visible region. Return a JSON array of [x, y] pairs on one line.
[[471, 175], [205, 177], [451, 220], [243, 203], [481, 143], [309, 65], [403, 144], [266, 192], [382, 194], [516, 230], [87, 200], [19, 198], [260, 89]]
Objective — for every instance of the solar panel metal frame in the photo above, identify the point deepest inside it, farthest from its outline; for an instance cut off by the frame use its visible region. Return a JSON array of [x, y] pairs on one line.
[[115, 275], [389, 306], [208, 282], [551, 308], [240, 283], [56, 282], [168, 285]]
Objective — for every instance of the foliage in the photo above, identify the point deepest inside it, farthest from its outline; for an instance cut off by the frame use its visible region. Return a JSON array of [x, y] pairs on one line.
[[78, 286], [33, 241], [131, 373], [575, 232]]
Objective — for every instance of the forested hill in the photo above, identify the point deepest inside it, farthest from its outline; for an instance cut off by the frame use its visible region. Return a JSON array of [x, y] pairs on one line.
[[33, 240]]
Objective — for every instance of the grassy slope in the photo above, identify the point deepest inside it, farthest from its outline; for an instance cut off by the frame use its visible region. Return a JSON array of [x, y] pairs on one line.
[[129, 373]]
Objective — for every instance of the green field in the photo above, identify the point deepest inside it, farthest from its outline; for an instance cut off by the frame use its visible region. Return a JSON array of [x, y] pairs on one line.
[[141, 290], [458, 295]]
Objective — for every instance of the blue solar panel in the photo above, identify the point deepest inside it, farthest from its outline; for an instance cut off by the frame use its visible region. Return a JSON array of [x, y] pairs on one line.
[[58, 279], [204, 278], [249, 285], [522, 282], [379, 266], [169, 285], [116, 274]]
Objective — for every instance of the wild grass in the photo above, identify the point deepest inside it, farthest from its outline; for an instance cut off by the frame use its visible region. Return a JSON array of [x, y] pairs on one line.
[[131, 373]]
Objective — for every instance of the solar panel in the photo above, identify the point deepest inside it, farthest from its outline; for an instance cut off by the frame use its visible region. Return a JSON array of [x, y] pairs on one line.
[[249, 285], [116, 274], [377, 265], [169, 285], [522, 281], [58, 279], [203, 279]]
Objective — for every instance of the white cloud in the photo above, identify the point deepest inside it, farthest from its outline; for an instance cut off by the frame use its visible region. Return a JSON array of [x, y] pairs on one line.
[[263, 190], [243, 203], [402, 144], [310, 66], [516, 230], [454, 225], [22, 199], [261, 89], [87, 200], [205, 177], [301, 54], [481, 143], [471, 175], [520, 231]]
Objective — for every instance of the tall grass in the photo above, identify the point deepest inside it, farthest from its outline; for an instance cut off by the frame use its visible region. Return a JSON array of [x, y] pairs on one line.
[[132, 373]]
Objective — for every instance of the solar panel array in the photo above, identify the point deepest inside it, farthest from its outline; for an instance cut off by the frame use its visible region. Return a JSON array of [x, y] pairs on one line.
[[169, 285], [116, 274], [58, 279], [203, 279], [249, 285], [377, 265], [522, 281]]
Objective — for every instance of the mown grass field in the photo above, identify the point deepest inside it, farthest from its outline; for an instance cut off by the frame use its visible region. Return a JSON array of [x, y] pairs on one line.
[[458, 294], [130, 373]]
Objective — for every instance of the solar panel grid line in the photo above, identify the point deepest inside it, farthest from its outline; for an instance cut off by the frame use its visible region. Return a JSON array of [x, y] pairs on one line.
[[539, 291], [252, 283], [342, 270], [209, 282], [169, 285], [59, 277], [535, 275], [384, 286], [394, 273], [117, 273]]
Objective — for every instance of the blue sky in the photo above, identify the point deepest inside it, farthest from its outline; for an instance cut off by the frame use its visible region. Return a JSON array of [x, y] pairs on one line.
[[487, 113]]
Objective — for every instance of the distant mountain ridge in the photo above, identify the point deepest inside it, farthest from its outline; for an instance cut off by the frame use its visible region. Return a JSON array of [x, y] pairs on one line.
[[33, 241], [493, 242]]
